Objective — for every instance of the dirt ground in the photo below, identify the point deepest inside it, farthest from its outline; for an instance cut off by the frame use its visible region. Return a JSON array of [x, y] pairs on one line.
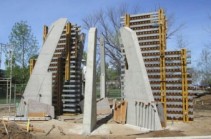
[[70, 127]]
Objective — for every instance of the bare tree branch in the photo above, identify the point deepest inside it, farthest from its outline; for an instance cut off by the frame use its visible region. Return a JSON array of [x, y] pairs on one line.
[[172, 28]]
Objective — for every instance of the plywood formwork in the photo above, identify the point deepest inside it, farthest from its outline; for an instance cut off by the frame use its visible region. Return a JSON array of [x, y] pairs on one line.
[[167, 70]]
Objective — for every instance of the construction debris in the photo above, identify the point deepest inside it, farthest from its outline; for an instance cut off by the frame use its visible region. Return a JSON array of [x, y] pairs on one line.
[[32, 129], [53, 126], [61, 131], [12, 118], [5, 127], [11, 130]]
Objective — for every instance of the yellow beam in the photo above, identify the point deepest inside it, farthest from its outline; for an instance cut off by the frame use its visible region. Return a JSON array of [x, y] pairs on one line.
[[162, 42], [31, 65], [184, 85], [45, 32], [127, 20], [76, 44], [67, 61]]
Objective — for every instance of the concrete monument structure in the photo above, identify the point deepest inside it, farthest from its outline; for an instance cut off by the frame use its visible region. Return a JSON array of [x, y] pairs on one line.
[[89, 117], [102, 69], [141, 109], [56, 77]]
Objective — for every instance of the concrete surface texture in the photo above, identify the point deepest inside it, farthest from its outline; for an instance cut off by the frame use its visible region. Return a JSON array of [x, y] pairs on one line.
[[141, 110], [37, 107], [102, 69], [103, 106], [89, 117], [39, 86]]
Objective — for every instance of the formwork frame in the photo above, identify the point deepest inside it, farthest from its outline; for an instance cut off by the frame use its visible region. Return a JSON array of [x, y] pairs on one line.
[[184, 85], [59, 86], [162, 40], [164, 69]]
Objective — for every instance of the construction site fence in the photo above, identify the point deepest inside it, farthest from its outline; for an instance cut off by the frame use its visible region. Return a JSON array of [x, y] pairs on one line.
[[16, 93]]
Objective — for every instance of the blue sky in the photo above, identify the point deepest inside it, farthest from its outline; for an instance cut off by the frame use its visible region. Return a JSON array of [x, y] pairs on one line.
[[194, 13]]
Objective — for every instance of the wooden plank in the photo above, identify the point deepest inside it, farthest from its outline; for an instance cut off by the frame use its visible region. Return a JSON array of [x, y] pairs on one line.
[[120, 112], [36, 114]]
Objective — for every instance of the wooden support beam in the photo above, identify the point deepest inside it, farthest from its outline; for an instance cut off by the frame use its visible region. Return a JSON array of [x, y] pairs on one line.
[[120, 112]]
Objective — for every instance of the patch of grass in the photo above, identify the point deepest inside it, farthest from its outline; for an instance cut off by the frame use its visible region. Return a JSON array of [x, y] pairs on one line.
[[114, 93], [3, 100]]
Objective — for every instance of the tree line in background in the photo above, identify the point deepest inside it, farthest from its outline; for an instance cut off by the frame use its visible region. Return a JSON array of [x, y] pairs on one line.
[[24, 46], [108, 23]]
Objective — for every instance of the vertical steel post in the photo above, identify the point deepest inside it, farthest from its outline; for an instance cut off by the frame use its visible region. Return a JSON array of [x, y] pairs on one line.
[[11, 56], [15, 94], [7, 93]]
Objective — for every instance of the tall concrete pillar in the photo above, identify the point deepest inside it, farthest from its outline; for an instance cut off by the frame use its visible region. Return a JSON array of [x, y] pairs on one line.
[[102, 67], [89, 117]]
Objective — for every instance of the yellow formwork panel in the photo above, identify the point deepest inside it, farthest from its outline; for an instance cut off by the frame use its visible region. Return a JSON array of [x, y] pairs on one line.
[[127, 20], [162, 40], [184, 85], [31, 65], [76, 44], [45, 32], [67, 60]]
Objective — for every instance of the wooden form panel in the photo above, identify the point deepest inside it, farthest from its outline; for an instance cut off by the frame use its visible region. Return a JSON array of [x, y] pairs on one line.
[[120, 111]]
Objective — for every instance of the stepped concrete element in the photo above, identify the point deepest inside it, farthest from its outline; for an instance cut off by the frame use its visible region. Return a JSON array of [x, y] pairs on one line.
[[141, 109], [39, 86], [102, 69], [89, 117]]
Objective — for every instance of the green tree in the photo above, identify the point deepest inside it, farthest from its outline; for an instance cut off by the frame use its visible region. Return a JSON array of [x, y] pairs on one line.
[[25, 46], [24, 43]]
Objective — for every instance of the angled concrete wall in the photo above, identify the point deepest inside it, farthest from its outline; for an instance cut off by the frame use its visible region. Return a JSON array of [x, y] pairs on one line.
[[89, 117], [39, 86], [141, 110]]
